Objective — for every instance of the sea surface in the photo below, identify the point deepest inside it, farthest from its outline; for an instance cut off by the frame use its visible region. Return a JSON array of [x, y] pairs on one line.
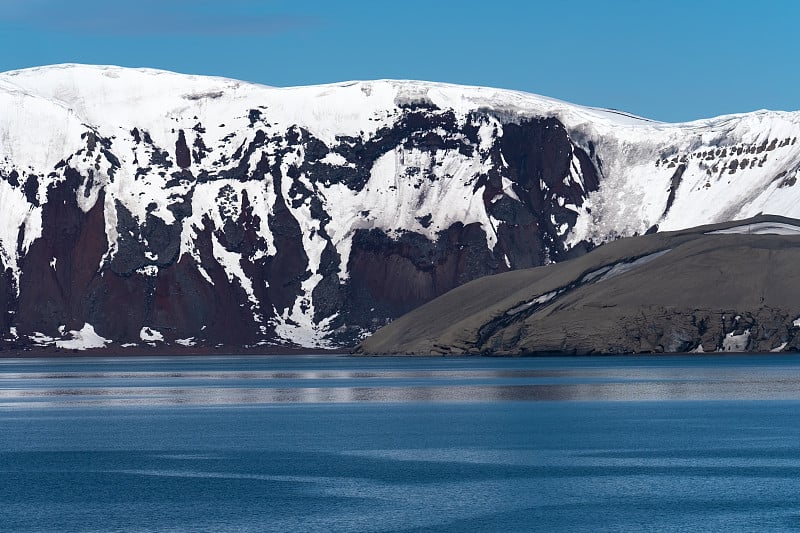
[[325, 443]]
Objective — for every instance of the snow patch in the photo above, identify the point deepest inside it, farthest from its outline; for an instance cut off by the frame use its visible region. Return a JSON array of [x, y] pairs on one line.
[[41, 339], [759, 228], [20, 223], [780, 348], [232, 265], [544, 298], [736, 343], [621, 268], [594, 274], [335, 159], [84, 339], [508, 188], [151, 335], [149, 270]]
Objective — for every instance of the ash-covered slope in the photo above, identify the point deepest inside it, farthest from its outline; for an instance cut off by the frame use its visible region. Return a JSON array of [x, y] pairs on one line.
[[727, 287], [146, 207]]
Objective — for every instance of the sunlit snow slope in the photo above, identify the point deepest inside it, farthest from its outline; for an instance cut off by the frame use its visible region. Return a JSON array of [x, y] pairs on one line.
[[141, 207]]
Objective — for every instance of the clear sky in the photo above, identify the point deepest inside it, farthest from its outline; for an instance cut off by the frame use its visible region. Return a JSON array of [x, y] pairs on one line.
[[671, 60]]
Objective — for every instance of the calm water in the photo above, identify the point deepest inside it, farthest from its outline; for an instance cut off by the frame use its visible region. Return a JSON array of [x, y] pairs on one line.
[[342, 444]]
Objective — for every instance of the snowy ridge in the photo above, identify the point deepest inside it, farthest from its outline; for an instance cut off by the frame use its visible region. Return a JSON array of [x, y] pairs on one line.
[[683, 175], [260, 179]]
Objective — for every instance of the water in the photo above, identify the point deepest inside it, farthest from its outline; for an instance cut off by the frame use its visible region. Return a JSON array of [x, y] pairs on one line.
[[400, 444]]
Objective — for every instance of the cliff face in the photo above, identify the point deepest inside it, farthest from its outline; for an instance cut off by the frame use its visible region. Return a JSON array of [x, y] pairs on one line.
[[731, 287], [149, 208]]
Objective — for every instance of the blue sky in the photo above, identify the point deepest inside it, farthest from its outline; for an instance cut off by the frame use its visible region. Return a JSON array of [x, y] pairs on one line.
[[674, 60]]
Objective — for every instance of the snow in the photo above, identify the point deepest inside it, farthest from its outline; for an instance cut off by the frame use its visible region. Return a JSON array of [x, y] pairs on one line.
[[622, 268], [84, 339], [780, 348], [760, 228], [396, 198], [796, 322], [633, 195], [594, 274], [601, 274], [209, 202], [149, 270], [508, 189], [544, 298], [335, 159], [611, 271], [736, 343], [150, 335], [231, 263], [41, 339], [18, 218]]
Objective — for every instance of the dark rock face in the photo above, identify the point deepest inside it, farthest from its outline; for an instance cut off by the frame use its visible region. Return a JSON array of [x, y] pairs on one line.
[[7, 302], [700, 290], [539, 153], [253, 270], [393, 277], [182, 154], [288, 268], [61, 266]]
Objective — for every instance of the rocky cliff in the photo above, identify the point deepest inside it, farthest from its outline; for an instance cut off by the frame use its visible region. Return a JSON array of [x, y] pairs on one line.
[[152, 209]]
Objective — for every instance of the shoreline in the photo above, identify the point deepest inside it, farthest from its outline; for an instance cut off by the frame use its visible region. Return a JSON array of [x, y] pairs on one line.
[[162, 351], [291, 351]]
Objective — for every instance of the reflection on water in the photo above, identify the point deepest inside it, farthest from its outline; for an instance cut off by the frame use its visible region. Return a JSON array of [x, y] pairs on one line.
[[341, 444], [328, 379]]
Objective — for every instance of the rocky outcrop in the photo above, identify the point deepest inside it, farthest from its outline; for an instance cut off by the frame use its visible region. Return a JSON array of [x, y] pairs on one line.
[[732, 287]]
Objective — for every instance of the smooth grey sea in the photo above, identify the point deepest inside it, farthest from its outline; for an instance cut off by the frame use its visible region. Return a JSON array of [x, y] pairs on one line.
[[324, 443]]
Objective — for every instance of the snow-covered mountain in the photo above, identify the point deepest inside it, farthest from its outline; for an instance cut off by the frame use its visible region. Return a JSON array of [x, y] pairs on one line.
[[151, 208]]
